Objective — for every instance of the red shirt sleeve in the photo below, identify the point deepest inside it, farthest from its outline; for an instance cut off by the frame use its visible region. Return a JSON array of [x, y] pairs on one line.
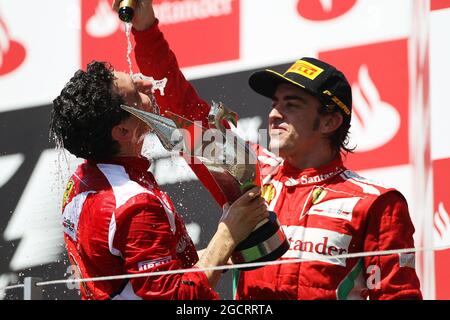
[[390, 227], [155, 59], [147, 244]]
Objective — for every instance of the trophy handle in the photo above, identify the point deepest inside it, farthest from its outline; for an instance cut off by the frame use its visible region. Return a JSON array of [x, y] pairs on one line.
[[220, 116]]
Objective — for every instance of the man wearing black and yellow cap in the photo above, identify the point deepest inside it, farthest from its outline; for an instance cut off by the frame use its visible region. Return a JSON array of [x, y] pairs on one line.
[[326, 210], [307, 82]]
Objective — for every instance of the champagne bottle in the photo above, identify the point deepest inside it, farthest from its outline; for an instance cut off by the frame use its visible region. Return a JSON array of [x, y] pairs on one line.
[[126, 10]]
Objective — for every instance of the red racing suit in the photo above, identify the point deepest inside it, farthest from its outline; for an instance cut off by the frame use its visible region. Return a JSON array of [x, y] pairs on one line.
[[324, 212], [117, 221]]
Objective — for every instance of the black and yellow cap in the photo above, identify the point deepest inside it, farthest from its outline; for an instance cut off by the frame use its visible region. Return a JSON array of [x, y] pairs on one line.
[[317, 77]]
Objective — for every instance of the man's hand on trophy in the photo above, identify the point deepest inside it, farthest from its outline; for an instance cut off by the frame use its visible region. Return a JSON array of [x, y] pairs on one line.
[[237, 222], [144, 16], [244, 214]]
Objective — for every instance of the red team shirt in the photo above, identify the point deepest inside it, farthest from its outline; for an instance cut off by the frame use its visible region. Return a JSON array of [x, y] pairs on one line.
[[117, 221], [324, 212]]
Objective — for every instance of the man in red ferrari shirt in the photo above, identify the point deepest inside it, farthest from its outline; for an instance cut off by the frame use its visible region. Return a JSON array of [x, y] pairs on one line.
[[116, 219], [325, 209]]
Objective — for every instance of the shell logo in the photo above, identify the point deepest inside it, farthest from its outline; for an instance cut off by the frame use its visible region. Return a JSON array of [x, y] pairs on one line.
[[319, 10], [12, 53], [268, 192]]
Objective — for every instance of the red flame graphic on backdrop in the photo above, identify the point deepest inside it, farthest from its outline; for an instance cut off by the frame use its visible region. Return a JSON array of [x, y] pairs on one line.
[[12, 53], [319, 10], [441, 221], [380, 101]]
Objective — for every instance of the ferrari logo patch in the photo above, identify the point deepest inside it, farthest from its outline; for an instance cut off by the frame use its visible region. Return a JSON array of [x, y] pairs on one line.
[[318, 195], [67, 192]]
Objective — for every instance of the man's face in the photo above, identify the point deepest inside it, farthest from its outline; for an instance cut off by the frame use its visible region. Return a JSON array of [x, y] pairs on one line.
[[294, 122], [136, 94]]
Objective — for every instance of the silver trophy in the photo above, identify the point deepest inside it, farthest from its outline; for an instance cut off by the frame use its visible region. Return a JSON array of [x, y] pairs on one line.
[[227, 167]]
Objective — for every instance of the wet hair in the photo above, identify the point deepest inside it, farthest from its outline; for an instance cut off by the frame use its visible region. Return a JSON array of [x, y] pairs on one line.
[[340, 138], [85, 112]]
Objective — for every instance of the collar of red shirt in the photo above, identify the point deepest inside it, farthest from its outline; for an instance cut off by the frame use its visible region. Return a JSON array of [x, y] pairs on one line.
[[292, 176], [136, 163]]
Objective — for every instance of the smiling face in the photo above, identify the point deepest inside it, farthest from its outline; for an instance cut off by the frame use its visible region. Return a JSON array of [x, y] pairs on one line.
[[294, 122]]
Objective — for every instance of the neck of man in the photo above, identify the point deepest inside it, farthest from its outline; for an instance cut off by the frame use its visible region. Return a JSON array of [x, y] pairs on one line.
[[129, 150], [318, 157]]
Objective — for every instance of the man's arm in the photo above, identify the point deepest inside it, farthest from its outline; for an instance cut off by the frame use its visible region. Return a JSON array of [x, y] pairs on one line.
[[155, 58], [390, 227], [146, 243], [236, 223], [146, 246], [144, 16]]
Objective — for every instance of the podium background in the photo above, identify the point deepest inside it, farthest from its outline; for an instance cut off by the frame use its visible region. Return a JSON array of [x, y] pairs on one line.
[[394, 53]]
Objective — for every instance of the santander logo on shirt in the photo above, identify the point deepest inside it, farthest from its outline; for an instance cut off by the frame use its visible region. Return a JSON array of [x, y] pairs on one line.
[[12, 53], [316, 244], [319, 10]]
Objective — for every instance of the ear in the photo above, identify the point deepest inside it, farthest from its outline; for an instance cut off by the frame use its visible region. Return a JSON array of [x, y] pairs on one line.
[[331, 122], [121, 133]]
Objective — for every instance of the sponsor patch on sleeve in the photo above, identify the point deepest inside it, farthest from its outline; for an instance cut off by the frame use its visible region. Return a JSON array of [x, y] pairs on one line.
[[149, 264], [341, 208], [407, 260]]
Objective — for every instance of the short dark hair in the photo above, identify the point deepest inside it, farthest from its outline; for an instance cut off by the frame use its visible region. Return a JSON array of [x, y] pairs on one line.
[[85, 112]]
